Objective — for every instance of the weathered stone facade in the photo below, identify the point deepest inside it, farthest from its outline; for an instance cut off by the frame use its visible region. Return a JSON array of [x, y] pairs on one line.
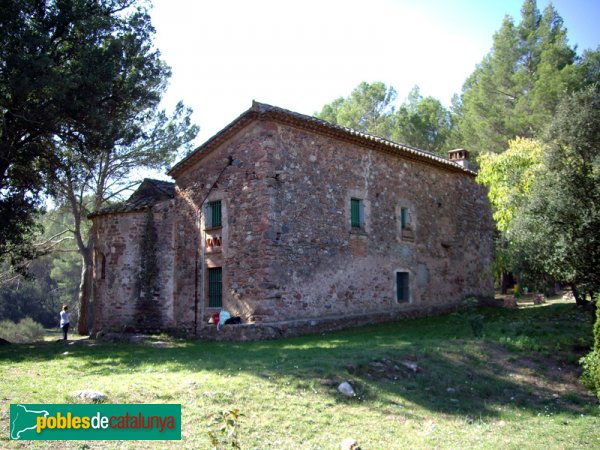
[[287, 250], [127, 297]]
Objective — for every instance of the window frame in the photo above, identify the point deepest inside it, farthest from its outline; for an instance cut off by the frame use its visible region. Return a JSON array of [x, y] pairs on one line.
[[215, 287], [211, 208], [357, 213], [404, 218], [402, 295], [406, 222]]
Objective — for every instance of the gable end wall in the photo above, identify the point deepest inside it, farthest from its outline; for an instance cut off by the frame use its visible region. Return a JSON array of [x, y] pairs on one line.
[[288, 250]]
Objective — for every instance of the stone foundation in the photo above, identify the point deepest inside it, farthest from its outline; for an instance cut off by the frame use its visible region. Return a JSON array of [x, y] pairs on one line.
[[288, 328]]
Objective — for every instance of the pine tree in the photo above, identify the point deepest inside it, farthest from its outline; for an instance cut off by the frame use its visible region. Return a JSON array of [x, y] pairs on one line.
[[515, 90]]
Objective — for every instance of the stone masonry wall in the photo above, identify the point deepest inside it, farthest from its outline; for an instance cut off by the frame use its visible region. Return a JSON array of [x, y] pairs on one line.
[[120, 300], [320, 266], [241, 185], [287, 248]]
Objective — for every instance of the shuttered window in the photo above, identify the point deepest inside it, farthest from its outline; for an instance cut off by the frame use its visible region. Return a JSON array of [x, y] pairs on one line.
[[356, 213], [404, 218], [402, 287], [213, 214], [215, 297]]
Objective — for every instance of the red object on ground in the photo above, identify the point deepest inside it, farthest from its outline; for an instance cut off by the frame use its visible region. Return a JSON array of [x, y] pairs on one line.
[[216, 318]]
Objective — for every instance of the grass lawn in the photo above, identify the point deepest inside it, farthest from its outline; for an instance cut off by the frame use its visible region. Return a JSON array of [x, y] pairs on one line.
[[516, 387]]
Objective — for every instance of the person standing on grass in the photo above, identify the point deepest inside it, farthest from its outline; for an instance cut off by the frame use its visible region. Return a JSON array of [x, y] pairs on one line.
[[64, 321]]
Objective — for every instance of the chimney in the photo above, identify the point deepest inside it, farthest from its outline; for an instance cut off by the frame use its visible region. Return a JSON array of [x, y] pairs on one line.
[[460, 156]]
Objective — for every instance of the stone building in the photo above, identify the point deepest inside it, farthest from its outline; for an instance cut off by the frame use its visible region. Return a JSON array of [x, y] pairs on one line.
[[283, 219]]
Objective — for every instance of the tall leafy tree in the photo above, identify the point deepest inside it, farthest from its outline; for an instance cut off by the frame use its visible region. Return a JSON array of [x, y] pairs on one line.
[[560, 224], [44, 89], [589, 67], [80, 85], [87, 180], [518, 85], [128, 132], [510, 177], [423, 122], [369, 108], [52, 280], [420, 121]]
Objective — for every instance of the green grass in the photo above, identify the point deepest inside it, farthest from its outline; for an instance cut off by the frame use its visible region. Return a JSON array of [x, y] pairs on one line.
[[516, 387]]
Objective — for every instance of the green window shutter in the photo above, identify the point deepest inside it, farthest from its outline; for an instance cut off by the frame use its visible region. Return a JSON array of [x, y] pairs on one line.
[[402, 287], [214, 214], [404, 218], [215, 296], [355, 213]]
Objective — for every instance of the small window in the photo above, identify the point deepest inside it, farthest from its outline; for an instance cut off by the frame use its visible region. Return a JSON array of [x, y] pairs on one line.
[[357, 213], [405, 218], [402, 287], [215, 297], [213, 214]]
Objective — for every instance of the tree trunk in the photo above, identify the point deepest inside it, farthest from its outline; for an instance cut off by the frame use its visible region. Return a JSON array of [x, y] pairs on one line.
[[579, 299], [558, 287], [85, 291], [505, 282]]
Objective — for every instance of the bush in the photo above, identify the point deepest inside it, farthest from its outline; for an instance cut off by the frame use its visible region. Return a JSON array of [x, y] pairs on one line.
[[27, 330], [591, 371], [591, 362], [597, 327], [223, 431], [476, 320]]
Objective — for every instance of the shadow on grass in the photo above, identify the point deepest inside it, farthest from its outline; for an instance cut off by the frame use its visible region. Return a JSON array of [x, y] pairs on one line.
[[525, 361]]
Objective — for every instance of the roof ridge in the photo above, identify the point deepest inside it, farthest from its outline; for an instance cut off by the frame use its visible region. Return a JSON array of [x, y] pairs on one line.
[[263, 107], [140, 199], [155, 180], [260, 110]]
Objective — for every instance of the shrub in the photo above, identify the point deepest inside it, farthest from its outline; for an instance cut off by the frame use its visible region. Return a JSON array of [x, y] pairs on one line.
[[591, 362], [591, 371], [597, 326], [223, 431], [27, 330], [476, 320]]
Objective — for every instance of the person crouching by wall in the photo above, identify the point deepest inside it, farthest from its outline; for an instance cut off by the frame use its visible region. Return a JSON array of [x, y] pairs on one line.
[[64, 321]]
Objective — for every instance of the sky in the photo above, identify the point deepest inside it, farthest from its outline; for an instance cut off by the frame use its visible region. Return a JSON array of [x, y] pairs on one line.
[[301, 55]]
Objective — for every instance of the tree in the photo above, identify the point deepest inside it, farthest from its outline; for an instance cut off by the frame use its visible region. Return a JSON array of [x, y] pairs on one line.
[[515, 90], [589, 67], [510, 177], [423, 122], [420, 122], [88, 180], [128, 132], [80, 85], [45, 88], [591, 362], [52, 279], [369, 109], [561, 221]]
